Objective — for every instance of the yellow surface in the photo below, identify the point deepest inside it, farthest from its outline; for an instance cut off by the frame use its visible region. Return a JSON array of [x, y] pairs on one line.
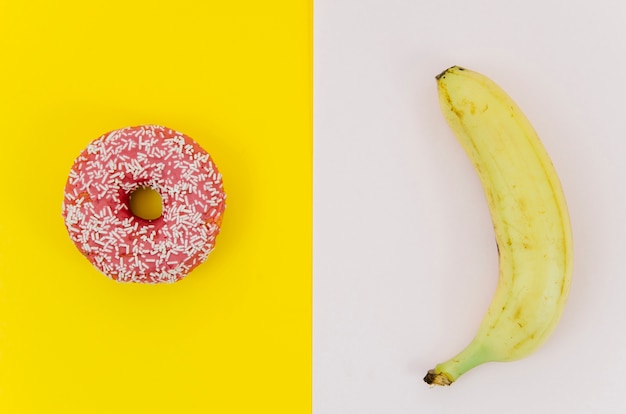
[[146, 203], [235, 335]]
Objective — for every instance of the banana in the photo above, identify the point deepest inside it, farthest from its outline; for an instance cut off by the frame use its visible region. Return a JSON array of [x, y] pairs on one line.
[[530, 220]]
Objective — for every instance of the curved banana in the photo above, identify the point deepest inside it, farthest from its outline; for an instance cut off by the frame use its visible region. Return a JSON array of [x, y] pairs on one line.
[[530, 220]]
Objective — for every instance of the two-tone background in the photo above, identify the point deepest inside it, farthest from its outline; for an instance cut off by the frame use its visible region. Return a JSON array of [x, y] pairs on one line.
[[356, 250]]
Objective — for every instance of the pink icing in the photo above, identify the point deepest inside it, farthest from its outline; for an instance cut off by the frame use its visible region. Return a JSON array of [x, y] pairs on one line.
[[127, 248]]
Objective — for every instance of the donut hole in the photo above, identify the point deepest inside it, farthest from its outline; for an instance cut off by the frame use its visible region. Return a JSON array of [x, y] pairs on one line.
[[146, 203]]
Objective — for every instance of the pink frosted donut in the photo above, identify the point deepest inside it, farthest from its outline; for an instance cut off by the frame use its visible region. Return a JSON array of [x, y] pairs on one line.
[[123, 246]]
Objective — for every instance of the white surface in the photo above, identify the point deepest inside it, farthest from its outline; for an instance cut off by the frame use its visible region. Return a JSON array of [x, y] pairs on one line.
[[405, 260]]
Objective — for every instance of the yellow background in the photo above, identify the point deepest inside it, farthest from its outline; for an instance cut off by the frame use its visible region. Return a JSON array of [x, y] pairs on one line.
[[235, 335]]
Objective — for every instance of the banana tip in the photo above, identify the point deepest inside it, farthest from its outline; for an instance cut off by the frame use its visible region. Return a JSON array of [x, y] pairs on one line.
[[443, 74]]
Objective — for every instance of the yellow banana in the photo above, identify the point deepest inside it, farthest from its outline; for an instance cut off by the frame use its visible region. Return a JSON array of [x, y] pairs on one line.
[[530, 220]]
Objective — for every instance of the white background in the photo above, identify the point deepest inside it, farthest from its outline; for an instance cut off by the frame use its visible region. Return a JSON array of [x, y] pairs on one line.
[[405, 261]]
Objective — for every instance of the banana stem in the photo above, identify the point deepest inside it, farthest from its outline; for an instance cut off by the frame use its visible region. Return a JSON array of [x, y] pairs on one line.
[[432, 378], [448, 372]]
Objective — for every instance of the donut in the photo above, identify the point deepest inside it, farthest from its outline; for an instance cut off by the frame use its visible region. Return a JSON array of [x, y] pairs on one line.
[[124, 246]]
